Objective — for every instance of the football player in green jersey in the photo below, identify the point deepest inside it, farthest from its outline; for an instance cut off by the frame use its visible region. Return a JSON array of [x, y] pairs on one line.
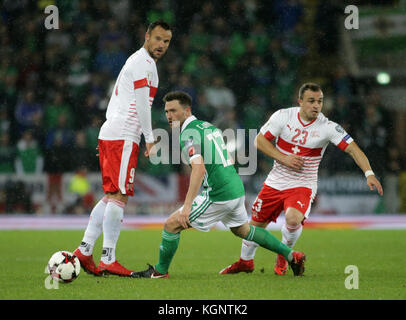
[[222, 198]]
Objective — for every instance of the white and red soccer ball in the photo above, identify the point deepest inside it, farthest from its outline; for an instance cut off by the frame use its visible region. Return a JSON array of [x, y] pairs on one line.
[[64, 266]]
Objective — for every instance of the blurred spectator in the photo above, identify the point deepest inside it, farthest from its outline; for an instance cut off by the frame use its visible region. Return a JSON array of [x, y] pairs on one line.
[[78, 76], [53, 111], [7, 154], [28, 112], [228, 120], [289, 13], [81, 154], [62, 134], [327, 34], [260, 37], [201, 68], [373, 135], [253, 112], [204, 16], [202, 108], [285, 85], [219, 96], [18, 197], [343, 82], [161, 10], [198, 39], [236, 18], [29, 158], [260, 76], [4, 119], [92, 137], [81, 192], [185, 84]]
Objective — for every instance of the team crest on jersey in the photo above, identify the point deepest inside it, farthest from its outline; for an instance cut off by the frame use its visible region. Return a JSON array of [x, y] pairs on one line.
[[315, 134], [189, 142], [150, 76], [339, 128]]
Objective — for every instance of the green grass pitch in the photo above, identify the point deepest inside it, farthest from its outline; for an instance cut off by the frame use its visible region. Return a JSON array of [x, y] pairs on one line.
[[378, 254]]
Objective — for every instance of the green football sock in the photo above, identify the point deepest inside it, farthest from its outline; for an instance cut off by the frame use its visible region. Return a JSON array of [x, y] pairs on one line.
[[268, 241], [167, 249]]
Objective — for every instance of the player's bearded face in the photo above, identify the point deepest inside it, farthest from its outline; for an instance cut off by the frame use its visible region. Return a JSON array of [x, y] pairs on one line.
[[175, 113], [311, 105], [157, 42]]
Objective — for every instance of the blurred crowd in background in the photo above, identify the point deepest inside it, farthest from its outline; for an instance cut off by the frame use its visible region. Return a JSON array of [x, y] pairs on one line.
[[239, 60]]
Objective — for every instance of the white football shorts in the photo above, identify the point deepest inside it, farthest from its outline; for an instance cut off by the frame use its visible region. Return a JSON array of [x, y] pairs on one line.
[[205, 213]]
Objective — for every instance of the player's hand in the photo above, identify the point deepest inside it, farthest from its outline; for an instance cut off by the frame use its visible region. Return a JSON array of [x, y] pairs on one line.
[[151, 150], [183, 217], [294, 161], [372, 182]]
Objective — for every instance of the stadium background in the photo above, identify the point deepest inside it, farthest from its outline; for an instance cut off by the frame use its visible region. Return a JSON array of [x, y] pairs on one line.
[[239, 60]]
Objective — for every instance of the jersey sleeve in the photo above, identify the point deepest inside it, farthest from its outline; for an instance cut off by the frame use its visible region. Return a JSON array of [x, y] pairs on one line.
[[191, 145], [338, 135], [140, 74], [273, 127]]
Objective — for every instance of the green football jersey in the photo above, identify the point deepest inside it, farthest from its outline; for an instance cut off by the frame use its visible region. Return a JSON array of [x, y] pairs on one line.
[[221, 181]]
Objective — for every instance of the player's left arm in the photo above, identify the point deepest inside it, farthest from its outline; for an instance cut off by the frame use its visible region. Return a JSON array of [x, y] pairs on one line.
[[362, 161], [196, 179]]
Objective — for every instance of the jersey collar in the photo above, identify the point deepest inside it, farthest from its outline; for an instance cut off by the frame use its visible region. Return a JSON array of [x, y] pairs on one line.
[[305, 124], [146, 53], [187, 121]]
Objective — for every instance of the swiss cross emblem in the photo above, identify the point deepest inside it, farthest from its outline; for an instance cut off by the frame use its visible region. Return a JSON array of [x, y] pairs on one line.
[[295, 150]]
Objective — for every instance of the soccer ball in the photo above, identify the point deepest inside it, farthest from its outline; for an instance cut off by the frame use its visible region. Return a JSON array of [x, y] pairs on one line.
[[64, 266]]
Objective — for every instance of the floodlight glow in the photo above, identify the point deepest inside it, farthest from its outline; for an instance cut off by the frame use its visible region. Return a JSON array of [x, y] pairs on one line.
[[383, 78]]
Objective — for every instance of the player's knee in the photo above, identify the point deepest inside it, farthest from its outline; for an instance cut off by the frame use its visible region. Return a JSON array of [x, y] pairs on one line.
[[118, 196], [292, 218], [172, 224], [241, 231]]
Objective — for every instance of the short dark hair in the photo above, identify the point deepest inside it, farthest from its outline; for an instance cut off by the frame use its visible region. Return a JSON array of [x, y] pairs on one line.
[[185, 100], [308, 86], [161, 23]]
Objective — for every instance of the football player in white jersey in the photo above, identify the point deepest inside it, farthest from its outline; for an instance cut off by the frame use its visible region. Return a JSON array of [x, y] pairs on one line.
[[128, 116], [301, 135]]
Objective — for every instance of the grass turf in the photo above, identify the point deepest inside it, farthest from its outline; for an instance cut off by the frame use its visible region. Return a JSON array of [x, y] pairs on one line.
[[378, 254]]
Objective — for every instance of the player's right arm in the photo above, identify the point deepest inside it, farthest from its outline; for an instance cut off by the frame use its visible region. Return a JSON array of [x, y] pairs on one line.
[[265, 145], [271, 129], [139, 74], [196, 179]]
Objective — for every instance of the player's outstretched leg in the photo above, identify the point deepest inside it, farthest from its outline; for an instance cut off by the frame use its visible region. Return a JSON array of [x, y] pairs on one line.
[[246, 261], [113, 218], [268, 241], [151, 272], [167, 250], [93, 230]]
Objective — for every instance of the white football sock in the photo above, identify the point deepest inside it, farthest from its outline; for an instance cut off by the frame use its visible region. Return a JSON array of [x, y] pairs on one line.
[[94, 227], [248, 249], [113, 218], [290, 234]]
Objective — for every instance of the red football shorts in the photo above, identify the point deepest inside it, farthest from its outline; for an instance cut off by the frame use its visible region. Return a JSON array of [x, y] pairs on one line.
[[271, 202], [118, 163]]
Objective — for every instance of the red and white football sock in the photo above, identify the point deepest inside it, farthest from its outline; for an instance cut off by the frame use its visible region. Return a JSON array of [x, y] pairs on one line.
[[94, 227], [113, 219], [248, 249]]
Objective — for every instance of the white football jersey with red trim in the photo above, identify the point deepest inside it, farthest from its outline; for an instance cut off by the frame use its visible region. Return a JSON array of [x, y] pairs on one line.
[[309, 140], [122, 119]]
